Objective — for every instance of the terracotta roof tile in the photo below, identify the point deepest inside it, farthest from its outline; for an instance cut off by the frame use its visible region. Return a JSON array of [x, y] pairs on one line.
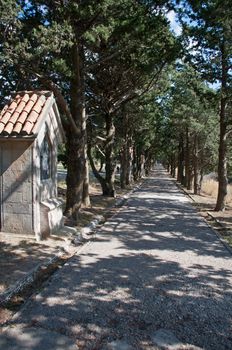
[[6, 117], [21, 116], [27, 128], [1, 127], [8, 128], [17, 128], [25, 98], [33, 117], [39, 104], [14, 117]]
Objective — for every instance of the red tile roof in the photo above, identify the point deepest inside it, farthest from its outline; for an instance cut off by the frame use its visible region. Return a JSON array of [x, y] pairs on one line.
[[22, 116]]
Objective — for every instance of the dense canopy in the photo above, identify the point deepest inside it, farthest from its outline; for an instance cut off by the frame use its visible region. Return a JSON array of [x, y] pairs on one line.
[[130, 90]]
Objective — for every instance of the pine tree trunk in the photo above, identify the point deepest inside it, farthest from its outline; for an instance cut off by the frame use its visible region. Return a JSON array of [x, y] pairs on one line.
[[107, 183], [101, 165], [76, 141], [196, 168], [148, 162], [173, 166], [75, 175], [109, 160], [125, 155], [135, 169], [96, 173], [142, 165], [180, 173], [187, 162], [222, 168], [124, 165], [129, 177], [85, 195], [222, 154]]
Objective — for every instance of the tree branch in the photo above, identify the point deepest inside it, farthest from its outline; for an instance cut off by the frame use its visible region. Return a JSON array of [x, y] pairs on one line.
[[60, 99]]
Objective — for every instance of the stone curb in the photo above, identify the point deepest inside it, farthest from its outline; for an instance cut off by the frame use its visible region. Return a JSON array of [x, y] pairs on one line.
[[27, 281], [224, 242], [74, 246]]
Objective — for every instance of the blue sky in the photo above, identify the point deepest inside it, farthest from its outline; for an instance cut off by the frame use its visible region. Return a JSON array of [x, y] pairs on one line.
[[172, 17]]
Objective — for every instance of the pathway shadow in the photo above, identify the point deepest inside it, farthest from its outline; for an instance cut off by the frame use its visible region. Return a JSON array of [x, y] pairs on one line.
[[154, 265], [17, 258]]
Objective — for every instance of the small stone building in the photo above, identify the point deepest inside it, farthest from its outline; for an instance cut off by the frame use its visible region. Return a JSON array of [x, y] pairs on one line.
[[30, 131]]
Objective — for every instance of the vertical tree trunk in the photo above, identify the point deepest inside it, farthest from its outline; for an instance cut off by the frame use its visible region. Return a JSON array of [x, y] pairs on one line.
[[76, 142], [187, 162], [196, 167], [124, 165], [125, 156], [222, 166], [75, 175], [180, 174], [142, 165], [85, 195], [109, 161], [135, 163], [222, 153], [148, 162], [173, 166], [107, 182], [129, 177]]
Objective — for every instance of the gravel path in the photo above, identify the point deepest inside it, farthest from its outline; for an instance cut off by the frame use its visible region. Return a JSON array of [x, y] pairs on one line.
[[156, 277]]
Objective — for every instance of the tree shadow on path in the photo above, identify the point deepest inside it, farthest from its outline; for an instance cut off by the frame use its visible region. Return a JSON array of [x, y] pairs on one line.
[[154, 265]]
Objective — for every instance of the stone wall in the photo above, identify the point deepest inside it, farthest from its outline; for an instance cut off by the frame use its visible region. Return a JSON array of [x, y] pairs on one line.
[[16, 187]]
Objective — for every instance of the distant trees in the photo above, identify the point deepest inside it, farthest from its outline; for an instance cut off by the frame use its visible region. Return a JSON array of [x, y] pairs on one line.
[[140, 46], [208, 29], [190, 128]]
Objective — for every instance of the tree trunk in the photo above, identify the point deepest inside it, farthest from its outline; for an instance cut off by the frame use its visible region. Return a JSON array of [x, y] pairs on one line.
[[173, 166], [180, 174], [125, 155], [76, 141], [135, 169], [107, 183], [85, 195], [75, 175], [129, 177], [96, 173], [101, 165], [222, 166], [124, 165], [148, 162], [222, 154], [109, 160], [142, 165], [187, 183], [196, 172]]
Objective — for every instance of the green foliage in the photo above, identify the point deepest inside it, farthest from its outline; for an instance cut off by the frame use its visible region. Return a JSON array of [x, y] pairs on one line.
[[190, 105]]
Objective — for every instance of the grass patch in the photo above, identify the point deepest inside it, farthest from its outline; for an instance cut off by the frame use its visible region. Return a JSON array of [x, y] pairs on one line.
[[210, 188]]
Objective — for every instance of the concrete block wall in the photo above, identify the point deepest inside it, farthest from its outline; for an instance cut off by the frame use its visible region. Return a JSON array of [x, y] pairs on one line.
[[16, 187]]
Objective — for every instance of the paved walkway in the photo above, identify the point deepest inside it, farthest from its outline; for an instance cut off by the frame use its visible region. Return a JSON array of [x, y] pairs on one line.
[[157, 277]]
